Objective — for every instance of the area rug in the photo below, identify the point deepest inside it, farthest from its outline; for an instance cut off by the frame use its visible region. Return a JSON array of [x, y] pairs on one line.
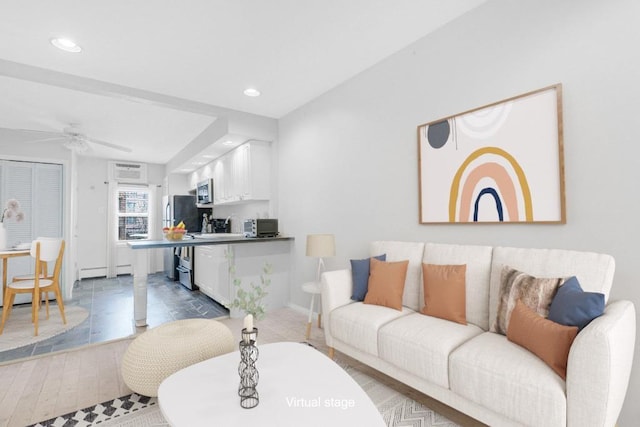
[[18, 329], [140, 411], [397, 409]]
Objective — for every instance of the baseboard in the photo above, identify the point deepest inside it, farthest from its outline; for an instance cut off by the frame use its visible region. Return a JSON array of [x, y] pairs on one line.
[[87, 273], [305, 311], [300, 309]]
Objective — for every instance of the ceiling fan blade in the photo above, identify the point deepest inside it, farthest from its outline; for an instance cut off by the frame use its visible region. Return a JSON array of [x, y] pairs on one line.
[[43, 133], [110, 145], [31, 131], [70, 133], [53, 138]]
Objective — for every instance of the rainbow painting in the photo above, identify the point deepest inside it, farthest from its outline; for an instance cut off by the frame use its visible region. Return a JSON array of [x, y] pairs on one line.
[[495, 164]]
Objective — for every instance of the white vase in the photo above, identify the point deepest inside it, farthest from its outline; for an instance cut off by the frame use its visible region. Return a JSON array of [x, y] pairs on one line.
[[3, 237]]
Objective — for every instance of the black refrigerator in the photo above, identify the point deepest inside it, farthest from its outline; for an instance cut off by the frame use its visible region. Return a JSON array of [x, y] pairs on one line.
[[176, 209]]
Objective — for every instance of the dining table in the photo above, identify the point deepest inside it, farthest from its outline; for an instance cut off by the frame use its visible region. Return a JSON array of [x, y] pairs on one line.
[[5, 254]]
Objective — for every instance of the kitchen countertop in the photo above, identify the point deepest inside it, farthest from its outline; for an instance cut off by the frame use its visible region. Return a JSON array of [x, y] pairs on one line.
[[150, 244]]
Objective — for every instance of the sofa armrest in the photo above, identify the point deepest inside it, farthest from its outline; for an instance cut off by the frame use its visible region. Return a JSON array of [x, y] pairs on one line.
[[336, 290], [599, 366]]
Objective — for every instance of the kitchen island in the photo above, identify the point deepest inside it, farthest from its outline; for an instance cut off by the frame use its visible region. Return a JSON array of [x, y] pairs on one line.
[[246, 257]]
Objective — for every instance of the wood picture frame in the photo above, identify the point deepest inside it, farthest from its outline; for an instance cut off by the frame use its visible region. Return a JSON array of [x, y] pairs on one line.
[[501, 163]]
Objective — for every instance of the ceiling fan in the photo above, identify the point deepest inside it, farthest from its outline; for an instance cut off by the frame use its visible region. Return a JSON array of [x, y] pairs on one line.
[[73, 139]]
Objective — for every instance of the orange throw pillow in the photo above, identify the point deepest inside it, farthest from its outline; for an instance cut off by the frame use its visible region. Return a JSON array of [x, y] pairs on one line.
[[548, 340], [386, 283], [445, 292]]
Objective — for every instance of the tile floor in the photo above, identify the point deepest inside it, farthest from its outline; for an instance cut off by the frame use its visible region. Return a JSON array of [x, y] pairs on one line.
[[110, 305]]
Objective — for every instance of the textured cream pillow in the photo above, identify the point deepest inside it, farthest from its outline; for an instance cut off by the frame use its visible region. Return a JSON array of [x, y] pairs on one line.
[[548, 340], [535, 293], [386, 283], [445, 292]]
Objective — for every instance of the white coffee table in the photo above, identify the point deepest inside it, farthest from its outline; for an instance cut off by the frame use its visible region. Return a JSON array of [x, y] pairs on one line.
[[298, 386]]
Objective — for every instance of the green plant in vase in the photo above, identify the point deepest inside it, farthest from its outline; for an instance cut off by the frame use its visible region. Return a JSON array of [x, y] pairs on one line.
[[250, 299]]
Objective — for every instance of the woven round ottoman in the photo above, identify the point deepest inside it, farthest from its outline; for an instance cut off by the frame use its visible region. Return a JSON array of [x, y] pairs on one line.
[[165, 349]]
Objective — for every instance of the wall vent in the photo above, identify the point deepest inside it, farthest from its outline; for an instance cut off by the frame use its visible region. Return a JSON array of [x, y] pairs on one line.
[[135, 173]]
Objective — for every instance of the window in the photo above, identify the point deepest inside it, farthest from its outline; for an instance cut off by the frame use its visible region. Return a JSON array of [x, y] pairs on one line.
[[133, 213]]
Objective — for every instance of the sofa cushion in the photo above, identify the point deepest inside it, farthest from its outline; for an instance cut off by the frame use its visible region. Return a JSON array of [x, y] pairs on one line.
[[534, 292], [360, 269], [386, 283], [421, 345], [574, 307], [478, 262], [548, 340], [357, 324], [593, 270], [508, 379], [444, 292], [400, 251]]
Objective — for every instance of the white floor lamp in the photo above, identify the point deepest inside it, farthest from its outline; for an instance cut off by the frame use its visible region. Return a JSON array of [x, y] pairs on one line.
[[320, 246]]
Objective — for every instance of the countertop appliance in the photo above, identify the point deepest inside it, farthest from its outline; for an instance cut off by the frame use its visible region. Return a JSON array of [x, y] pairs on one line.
[[261, 227], [204, 192], [178, 208], [221, 225]]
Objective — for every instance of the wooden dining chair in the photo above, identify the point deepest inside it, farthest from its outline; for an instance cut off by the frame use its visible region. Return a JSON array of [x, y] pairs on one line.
[[43, 250], [44, 274]]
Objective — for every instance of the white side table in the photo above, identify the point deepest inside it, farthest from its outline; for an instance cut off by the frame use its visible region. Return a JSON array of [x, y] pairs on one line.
[[312, 288]]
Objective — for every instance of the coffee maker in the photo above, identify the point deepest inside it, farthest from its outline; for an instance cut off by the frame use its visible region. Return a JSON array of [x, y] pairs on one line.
[[221, 225]]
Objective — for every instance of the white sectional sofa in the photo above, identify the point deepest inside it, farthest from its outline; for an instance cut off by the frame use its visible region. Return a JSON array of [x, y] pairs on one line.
[[478, 372]]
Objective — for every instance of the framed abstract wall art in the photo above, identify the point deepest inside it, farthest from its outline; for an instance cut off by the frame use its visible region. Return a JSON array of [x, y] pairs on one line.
[[502, 163]]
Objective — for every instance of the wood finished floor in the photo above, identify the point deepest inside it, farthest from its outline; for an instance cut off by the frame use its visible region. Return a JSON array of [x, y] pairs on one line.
[[44, 386]]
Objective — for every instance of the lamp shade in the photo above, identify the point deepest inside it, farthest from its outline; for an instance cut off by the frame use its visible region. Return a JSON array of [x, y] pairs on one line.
[[321, 245]]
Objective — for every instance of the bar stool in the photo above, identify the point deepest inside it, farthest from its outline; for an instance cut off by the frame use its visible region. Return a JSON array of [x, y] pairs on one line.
[[312, 288]]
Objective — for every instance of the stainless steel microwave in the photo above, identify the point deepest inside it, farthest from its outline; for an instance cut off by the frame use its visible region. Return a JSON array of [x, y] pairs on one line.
[[204, 192], [260, 227]]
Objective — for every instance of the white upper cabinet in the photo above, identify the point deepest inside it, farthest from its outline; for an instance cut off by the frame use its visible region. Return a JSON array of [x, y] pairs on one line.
[[243, 174]]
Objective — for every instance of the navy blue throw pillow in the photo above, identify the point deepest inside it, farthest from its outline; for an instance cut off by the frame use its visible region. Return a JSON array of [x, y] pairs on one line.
[[572, 306], [360, 274]]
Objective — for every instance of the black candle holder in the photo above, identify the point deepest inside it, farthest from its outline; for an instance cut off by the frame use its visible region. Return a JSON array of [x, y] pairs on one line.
[[247, 370]]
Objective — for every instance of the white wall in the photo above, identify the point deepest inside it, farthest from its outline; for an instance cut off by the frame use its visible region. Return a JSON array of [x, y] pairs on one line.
[[348, 160], [93, 200], [92, 216]]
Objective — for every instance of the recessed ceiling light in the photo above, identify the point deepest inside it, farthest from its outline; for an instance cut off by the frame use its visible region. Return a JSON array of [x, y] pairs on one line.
[[228, 142], [66, 44], [252, 92]]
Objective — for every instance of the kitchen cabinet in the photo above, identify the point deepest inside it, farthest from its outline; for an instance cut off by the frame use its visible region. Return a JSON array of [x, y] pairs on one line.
[[211, 272], [223, 178], [249, 261], [243, 174], [218, 181]]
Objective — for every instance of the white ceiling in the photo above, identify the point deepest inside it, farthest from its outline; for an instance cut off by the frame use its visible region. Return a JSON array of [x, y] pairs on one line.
[[199, 53]]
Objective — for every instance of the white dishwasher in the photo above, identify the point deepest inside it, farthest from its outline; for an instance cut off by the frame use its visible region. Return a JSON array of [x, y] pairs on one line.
[[211, 272]]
